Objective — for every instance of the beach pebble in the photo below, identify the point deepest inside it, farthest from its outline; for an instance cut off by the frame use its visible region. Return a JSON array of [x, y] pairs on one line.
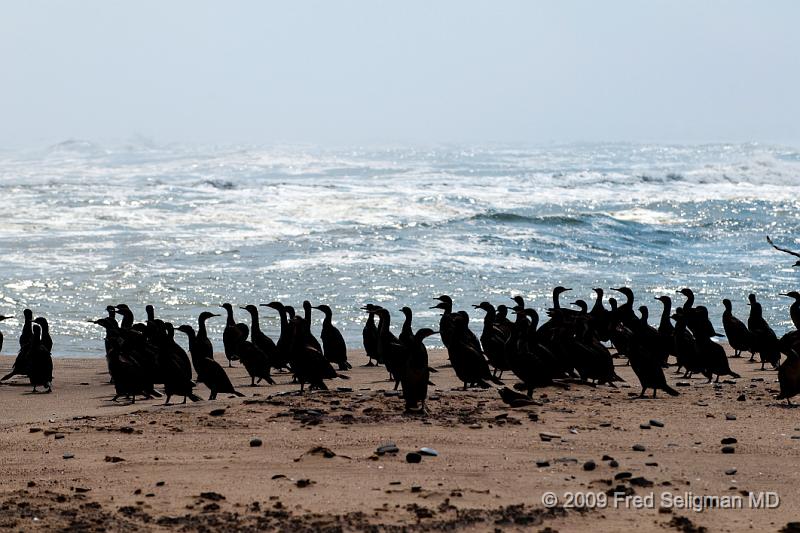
[[542, 463], [728, 449], [547, 437], [413, 457], [217, 412], [623, 475], [113, 459], [656, 423], [387, 447], [302, 483], [644, 426], [416, 488], [729, 440], [344, 389], [589, 466], [613, 463], [69, 455], [567, 460], [741, 398], [428, 451], [607, 458], [160, 483], [638, 448], [730, 417], [730, 471], [640, 482], [255, 443], [58, 436]]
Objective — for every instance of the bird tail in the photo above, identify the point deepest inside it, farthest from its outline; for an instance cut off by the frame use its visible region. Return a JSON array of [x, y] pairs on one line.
[[342, 376], [669, 390]]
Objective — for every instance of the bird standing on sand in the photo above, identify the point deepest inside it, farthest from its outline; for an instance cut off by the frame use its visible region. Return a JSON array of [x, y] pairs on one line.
[[231, 335], [370, 336], [416, 374], [333, 345], [41, 362], [209, 372], [764, 340], [21, 365], [736, 331]]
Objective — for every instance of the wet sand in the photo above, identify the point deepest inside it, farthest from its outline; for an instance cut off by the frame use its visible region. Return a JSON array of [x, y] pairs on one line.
[[72, 459]]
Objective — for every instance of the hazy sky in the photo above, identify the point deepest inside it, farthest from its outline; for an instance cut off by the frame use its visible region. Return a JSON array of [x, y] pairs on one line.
[[342, 72]]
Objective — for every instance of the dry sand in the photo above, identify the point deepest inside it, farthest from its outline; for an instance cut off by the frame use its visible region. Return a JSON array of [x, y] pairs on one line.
[[72, 459]]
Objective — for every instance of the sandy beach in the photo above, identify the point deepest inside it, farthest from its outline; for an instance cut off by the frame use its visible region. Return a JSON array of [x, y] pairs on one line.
[[74, 460]]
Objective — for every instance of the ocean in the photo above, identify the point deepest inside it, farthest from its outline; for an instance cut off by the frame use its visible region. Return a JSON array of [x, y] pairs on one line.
[[185, 228]]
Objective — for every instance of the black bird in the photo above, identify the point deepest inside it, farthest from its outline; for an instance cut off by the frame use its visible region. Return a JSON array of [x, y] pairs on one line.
[[209, 372], [791, 339], [649, 371], [259, 338], [203, 344], [600, 317], [127, 373], [666, 331], [127, 316], [712, 352], [308, 362], [406, 333], [736, 331], [493, 339], [391, 351], [41, 362], [789, 377], [794, 309], [416, 374], [333, 345], [764, 340], [253, 359], [530, 361], [283, 358], [468, 363], [307, 321], [688, 355], [22, 363], [231, 335], [370, 336], [796, 254], [3, 317], [27, 328]]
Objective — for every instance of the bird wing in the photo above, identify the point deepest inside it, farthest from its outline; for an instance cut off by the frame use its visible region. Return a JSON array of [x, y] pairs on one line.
[[796, 254]]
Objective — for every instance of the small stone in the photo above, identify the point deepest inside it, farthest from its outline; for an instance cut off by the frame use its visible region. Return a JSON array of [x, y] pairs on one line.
[[387, 447], [589, 466], [58, 436], [69, 455], [213, 496], [683, 384], [428, 451], [344, 389], [567, 460], [31, 483], [160, 483], [623, 475], [651, 464], [741, 398], [607, 458], [640, 482], [542, 463], [730, 417], [475, 426], [656, 423], [416, 488], [729, 440], [255, 443], [217, 412], [547, 437], [728, 449], [613, 463], [730, 472], [302, 483], [573, 431], [639, 448], [35, 430], [413, 457], [644, 426]]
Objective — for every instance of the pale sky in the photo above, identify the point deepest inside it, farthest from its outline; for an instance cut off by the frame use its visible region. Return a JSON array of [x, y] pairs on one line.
[[361, 72]]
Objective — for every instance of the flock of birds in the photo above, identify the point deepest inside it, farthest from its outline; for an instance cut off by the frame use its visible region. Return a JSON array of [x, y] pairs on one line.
[[573, 344]]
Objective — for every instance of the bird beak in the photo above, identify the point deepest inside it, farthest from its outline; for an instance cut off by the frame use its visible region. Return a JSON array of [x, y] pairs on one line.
[[214, 314], [476, 306], [240, 307]]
